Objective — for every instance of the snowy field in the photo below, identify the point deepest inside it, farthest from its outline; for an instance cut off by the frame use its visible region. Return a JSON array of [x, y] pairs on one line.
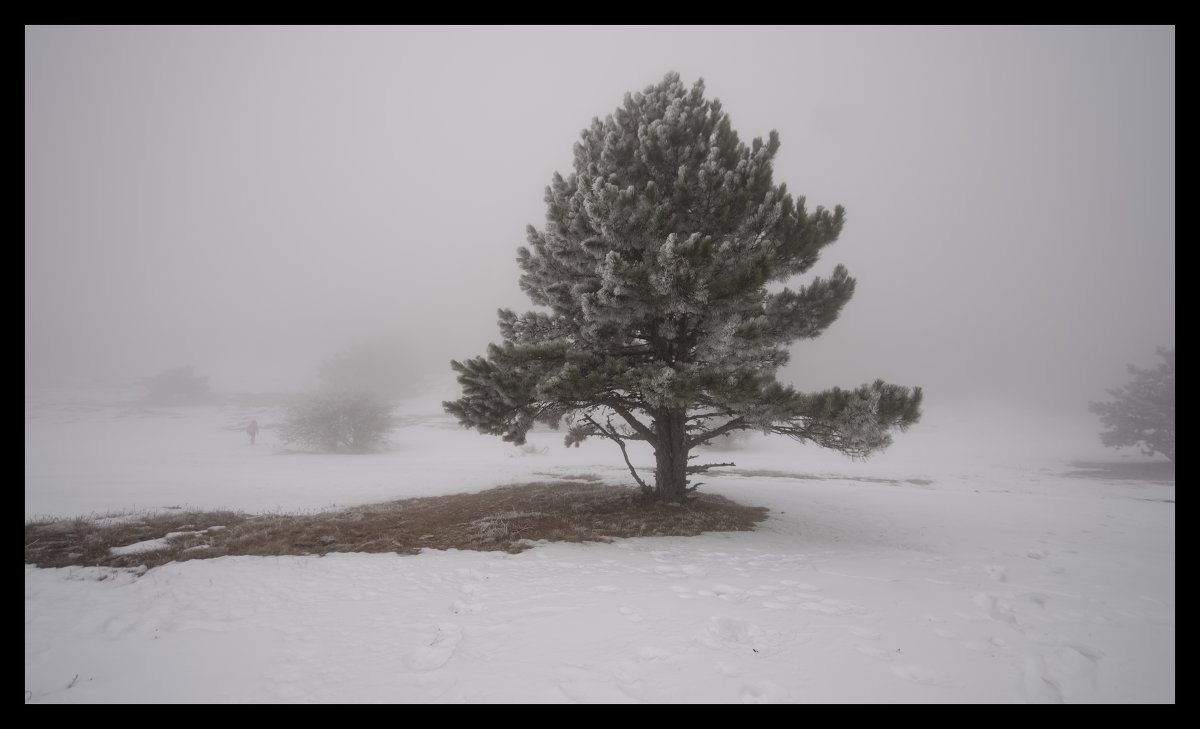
[[969, 563]]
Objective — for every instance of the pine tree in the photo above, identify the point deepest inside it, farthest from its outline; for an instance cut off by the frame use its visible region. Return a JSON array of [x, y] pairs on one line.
[[1143, 413], [654, 265]]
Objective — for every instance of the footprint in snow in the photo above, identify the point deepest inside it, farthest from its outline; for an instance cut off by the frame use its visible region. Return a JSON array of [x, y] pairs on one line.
[[916, 674], [653, 653], [729, 592], [739, 635], [441, 647], [762, 692], [595, 689], [629, 679], [875, 651], [683, 593], [1068, 673], [1037, 684], [459, 607], [830, 607]]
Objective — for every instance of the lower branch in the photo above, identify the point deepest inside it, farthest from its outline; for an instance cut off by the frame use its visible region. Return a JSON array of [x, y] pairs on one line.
[[638, 426], [738, 423], [704, 467], [624, 453]]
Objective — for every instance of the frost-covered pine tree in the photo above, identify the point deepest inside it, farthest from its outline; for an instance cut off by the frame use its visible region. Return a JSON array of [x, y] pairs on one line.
[[1143, 411], [653, 269]]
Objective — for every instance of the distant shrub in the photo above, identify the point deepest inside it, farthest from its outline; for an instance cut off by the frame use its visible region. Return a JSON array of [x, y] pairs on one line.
[[333, 421], [179, 386]]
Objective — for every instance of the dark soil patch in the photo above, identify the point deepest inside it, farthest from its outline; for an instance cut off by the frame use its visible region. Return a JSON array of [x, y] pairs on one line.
[[509, 518]]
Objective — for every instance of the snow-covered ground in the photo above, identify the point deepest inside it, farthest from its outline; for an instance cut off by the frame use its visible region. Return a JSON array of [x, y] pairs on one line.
[[962, 565]]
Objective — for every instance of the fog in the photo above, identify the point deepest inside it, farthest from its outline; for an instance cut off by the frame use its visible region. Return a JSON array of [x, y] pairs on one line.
[[252, 201]]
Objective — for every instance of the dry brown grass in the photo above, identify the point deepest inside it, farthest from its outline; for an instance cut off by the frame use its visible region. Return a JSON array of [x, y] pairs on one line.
[[509, 518]]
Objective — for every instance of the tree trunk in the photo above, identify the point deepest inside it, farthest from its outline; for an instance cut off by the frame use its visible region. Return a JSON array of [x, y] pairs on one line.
[[671, 455]]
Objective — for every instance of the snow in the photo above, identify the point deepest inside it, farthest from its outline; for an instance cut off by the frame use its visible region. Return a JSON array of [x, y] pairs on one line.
[[963, 565], [151, 545]]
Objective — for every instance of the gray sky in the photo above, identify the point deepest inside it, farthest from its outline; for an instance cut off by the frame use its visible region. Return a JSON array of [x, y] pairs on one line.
[[251, 201]]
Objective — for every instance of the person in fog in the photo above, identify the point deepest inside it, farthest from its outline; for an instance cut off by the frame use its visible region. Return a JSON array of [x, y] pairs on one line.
[[252, 429]]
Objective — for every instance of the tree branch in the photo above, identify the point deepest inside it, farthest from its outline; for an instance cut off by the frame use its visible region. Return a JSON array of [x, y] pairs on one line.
[[735, 424], [634, 423], [704, 467], [612, 435], [704, 416]]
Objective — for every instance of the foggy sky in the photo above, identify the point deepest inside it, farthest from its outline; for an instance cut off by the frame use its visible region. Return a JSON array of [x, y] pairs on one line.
[[251, 201]]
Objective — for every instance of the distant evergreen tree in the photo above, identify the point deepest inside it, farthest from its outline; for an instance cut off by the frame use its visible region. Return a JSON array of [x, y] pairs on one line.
[[1143, 413], [654, 265]]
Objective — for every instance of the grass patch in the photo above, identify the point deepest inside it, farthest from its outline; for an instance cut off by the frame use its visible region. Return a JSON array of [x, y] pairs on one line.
[[509, 518]]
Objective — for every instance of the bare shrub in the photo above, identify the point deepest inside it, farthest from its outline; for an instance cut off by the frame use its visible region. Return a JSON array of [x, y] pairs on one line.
[[332, 421]]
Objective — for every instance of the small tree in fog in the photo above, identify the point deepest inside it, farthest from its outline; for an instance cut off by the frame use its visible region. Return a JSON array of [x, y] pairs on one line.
[[375, 367], [1143, 411], [656, 264], [178, 386], [338, 420]]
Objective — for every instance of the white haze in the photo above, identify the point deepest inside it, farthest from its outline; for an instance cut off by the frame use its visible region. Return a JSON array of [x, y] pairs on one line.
[[251, 201]]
